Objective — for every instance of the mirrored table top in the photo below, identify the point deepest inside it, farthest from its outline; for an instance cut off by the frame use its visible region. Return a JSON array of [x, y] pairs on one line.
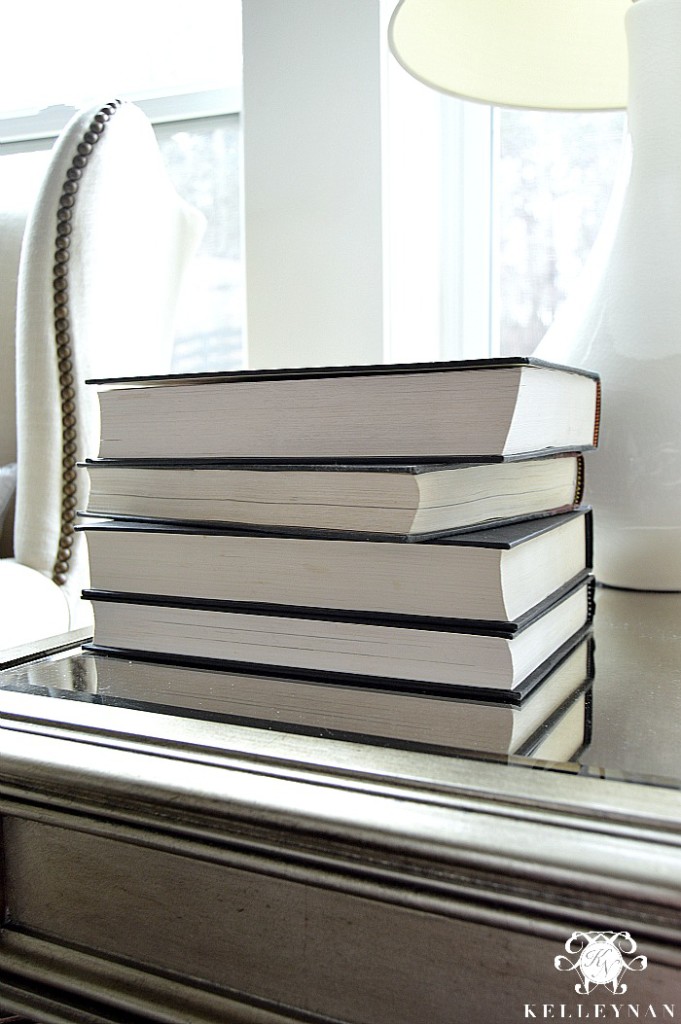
[[612, 710]]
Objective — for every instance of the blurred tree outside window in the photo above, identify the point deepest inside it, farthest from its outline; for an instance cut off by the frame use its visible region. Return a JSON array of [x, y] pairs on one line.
[[203, 160], [553, 179]]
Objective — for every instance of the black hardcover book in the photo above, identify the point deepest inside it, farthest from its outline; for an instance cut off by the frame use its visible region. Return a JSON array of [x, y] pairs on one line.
[[409, 411], [401, 501], [453, 657], [495, 575]]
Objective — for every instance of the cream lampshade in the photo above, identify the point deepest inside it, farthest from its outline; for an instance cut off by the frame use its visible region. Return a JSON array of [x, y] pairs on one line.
[[543, 54], [625, 317]]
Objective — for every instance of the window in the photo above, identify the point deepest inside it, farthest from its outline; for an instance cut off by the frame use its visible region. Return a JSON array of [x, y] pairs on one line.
[[490, 216], [203, 159], [552, 179], [182, 66]]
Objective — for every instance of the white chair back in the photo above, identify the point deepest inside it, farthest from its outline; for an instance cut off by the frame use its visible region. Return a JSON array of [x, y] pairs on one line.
[[103, 256]]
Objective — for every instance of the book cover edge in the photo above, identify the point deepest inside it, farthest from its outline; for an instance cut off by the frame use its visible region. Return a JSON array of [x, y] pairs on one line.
[[351, 370], [475, 537], [479, 627]]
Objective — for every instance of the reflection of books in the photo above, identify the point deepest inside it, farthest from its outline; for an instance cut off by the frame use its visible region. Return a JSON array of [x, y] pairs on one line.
[[553, 720], [388, 499], [503, 662], [566, 734], [496, 575], [411, 411]]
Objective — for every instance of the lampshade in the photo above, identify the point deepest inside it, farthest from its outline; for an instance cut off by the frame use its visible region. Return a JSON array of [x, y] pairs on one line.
[[540, 54]]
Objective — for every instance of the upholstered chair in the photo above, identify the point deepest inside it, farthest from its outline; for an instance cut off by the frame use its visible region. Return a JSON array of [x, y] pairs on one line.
[[103, 253]]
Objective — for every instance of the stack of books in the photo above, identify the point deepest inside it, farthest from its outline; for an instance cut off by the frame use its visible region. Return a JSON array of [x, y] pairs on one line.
[[355, 550]]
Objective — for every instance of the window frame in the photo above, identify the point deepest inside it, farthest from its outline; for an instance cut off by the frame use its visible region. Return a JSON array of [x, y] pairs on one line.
[[39, 130]]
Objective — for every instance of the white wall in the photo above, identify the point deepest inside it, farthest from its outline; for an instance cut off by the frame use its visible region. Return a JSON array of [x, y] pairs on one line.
[[312, 182]]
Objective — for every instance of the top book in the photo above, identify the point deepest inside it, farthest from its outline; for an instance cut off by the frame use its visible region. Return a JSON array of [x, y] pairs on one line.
[[476, 409]]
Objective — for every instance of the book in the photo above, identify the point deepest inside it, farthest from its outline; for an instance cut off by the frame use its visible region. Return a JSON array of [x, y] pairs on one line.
[[494, 575], [473, 660], [564, 738], [387, 500], [407, 411], [553, 721]]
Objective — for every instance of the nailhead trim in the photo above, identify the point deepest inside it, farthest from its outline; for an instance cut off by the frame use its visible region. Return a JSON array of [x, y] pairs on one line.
[[62, 329]]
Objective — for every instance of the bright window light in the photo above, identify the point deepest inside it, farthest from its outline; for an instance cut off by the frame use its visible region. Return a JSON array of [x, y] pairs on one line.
[[553, 177], [134, 49], [182, 64], [490, 215]]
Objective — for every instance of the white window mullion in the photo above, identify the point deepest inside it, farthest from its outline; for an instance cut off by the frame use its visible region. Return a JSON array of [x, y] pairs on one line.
[[438, 220], [494, 261], [412, 213], [312, 182], [467, 227]]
